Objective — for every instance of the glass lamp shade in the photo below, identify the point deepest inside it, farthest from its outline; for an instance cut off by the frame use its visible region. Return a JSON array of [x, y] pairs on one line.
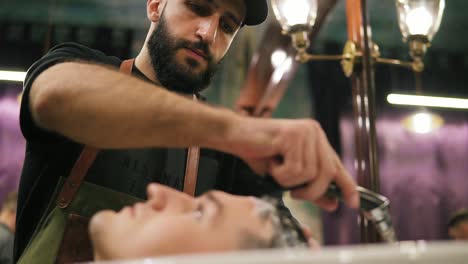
[[423, 122], [292, 14], [420, 17]]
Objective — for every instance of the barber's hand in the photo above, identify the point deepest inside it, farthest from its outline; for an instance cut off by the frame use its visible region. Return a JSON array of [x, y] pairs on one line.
[[294, 152], [314, 245]]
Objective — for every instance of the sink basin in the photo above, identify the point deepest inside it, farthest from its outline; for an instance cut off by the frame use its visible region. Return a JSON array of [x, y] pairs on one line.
[[403, 252]]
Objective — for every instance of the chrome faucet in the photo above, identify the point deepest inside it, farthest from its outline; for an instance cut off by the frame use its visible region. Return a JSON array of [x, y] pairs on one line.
[[375, 207]]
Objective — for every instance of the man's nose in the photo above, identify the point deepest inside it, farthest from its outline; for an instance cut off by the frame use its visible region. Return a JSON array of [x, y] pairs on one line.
[[208, 29], [161, 197]]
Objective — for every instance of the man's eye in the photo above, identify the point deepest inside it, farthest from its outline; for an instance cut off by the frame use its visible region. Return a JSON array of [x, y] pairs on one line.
[[227, 27], [198, 9]]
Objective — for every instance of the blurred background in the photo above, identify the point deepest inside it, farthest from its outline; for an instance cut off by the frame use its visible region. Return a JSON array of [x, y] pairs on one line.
[[423, 174]]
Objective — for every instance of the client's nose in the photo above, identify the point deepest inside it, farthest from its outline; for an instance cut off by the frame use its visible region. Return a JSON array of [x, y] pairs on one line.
[[161, 197]]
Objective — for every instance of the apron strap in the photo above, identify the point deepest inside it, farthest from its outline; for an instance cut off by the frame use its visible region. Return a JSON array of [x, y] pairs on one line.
[[84, 161], [191, 168]]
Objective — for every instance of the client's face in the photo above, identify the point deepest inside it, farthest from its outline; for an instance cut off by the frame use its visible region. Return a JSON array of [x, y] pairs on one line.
[[171, 222]]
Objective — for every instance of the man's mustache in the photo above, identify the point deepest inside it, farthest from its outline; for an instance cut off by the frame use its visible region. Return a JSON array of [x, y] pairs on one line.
[[199, 45]]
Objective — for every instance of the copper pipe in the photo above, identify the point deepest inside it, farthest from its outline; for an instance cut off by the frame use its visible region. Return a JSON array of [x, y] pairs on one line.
[[317, 57], [363, 91], [405, 64]]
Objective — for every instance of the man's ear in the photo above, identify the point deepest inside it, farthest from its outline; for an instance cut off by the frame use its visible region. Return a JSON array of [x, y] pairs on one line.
[[154, 9]]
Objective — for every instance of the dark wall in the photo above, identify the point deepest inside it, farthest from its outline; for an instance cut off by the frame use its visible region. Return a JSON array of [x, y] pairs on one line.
[[23, 43], [12, 142]]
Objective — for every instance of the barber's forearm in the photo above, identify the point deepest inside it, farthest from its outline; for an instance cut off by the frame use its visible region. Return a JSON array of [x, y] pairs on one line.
[[101, 107]]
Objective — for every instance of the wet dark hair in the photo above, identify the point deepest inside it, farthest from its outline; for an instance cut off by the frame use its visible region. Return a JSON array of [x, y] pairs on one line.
[[288, 232], [458, 217]]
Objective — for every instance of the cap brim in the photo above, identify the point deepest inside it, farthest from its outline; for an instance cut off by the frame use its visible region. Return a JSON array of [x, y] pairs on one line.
[[256, 12]]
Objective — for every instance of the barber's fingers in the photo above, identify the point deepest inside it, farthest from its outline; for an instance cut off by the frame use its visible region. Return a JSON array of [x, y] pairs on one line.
[[306, 230], [330, 169], [347, 185], [298, 158], [327, 204], [314, 245], [287, 167], [313, 191], [243, 112], [311, 157], [326, 171]]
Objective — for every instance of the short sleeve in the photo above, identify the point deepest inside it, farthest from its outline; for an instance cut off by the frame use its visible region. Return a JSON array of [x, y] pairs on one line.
[[61, 53]]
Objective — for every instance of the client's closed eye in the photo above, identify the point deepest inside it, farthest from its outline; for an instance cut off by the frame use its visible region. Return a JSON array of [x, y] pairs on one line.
[[209, 207], [198, 212]]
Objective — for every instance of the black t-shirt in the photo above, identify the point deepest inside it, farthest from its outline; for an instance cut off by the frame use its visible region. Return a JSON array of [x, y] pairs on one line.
[[50, 156]]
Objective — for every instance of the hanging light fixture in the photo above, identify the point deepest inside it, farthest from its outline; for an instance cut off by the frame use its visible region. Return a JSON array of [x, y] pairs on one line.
[[296, 18], [419, 21], [423, 122]]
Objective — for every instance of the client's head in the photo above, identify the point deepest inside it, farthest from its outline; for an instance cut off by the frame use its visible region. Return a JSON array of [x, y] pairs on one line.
[[171, 222], [458, 225]]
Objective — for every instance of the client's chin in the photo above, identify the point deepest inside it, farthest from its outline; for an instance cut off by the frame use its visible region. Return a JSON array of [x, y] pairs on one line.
[[97, 232]]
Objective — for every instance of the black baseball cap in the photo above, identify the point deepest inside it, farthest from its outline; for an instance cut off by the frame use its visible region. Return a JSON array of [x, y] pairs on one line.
[[256, 12]]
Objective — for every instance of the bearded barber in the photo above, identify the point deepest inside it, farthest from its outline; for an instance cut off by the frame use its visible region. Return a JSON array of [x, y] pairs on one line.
[[74, 96]]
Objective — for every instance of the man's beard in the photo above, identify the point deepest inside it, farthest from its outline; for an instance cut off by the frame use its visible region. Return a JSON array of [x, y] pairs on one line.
[[178, 77]]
